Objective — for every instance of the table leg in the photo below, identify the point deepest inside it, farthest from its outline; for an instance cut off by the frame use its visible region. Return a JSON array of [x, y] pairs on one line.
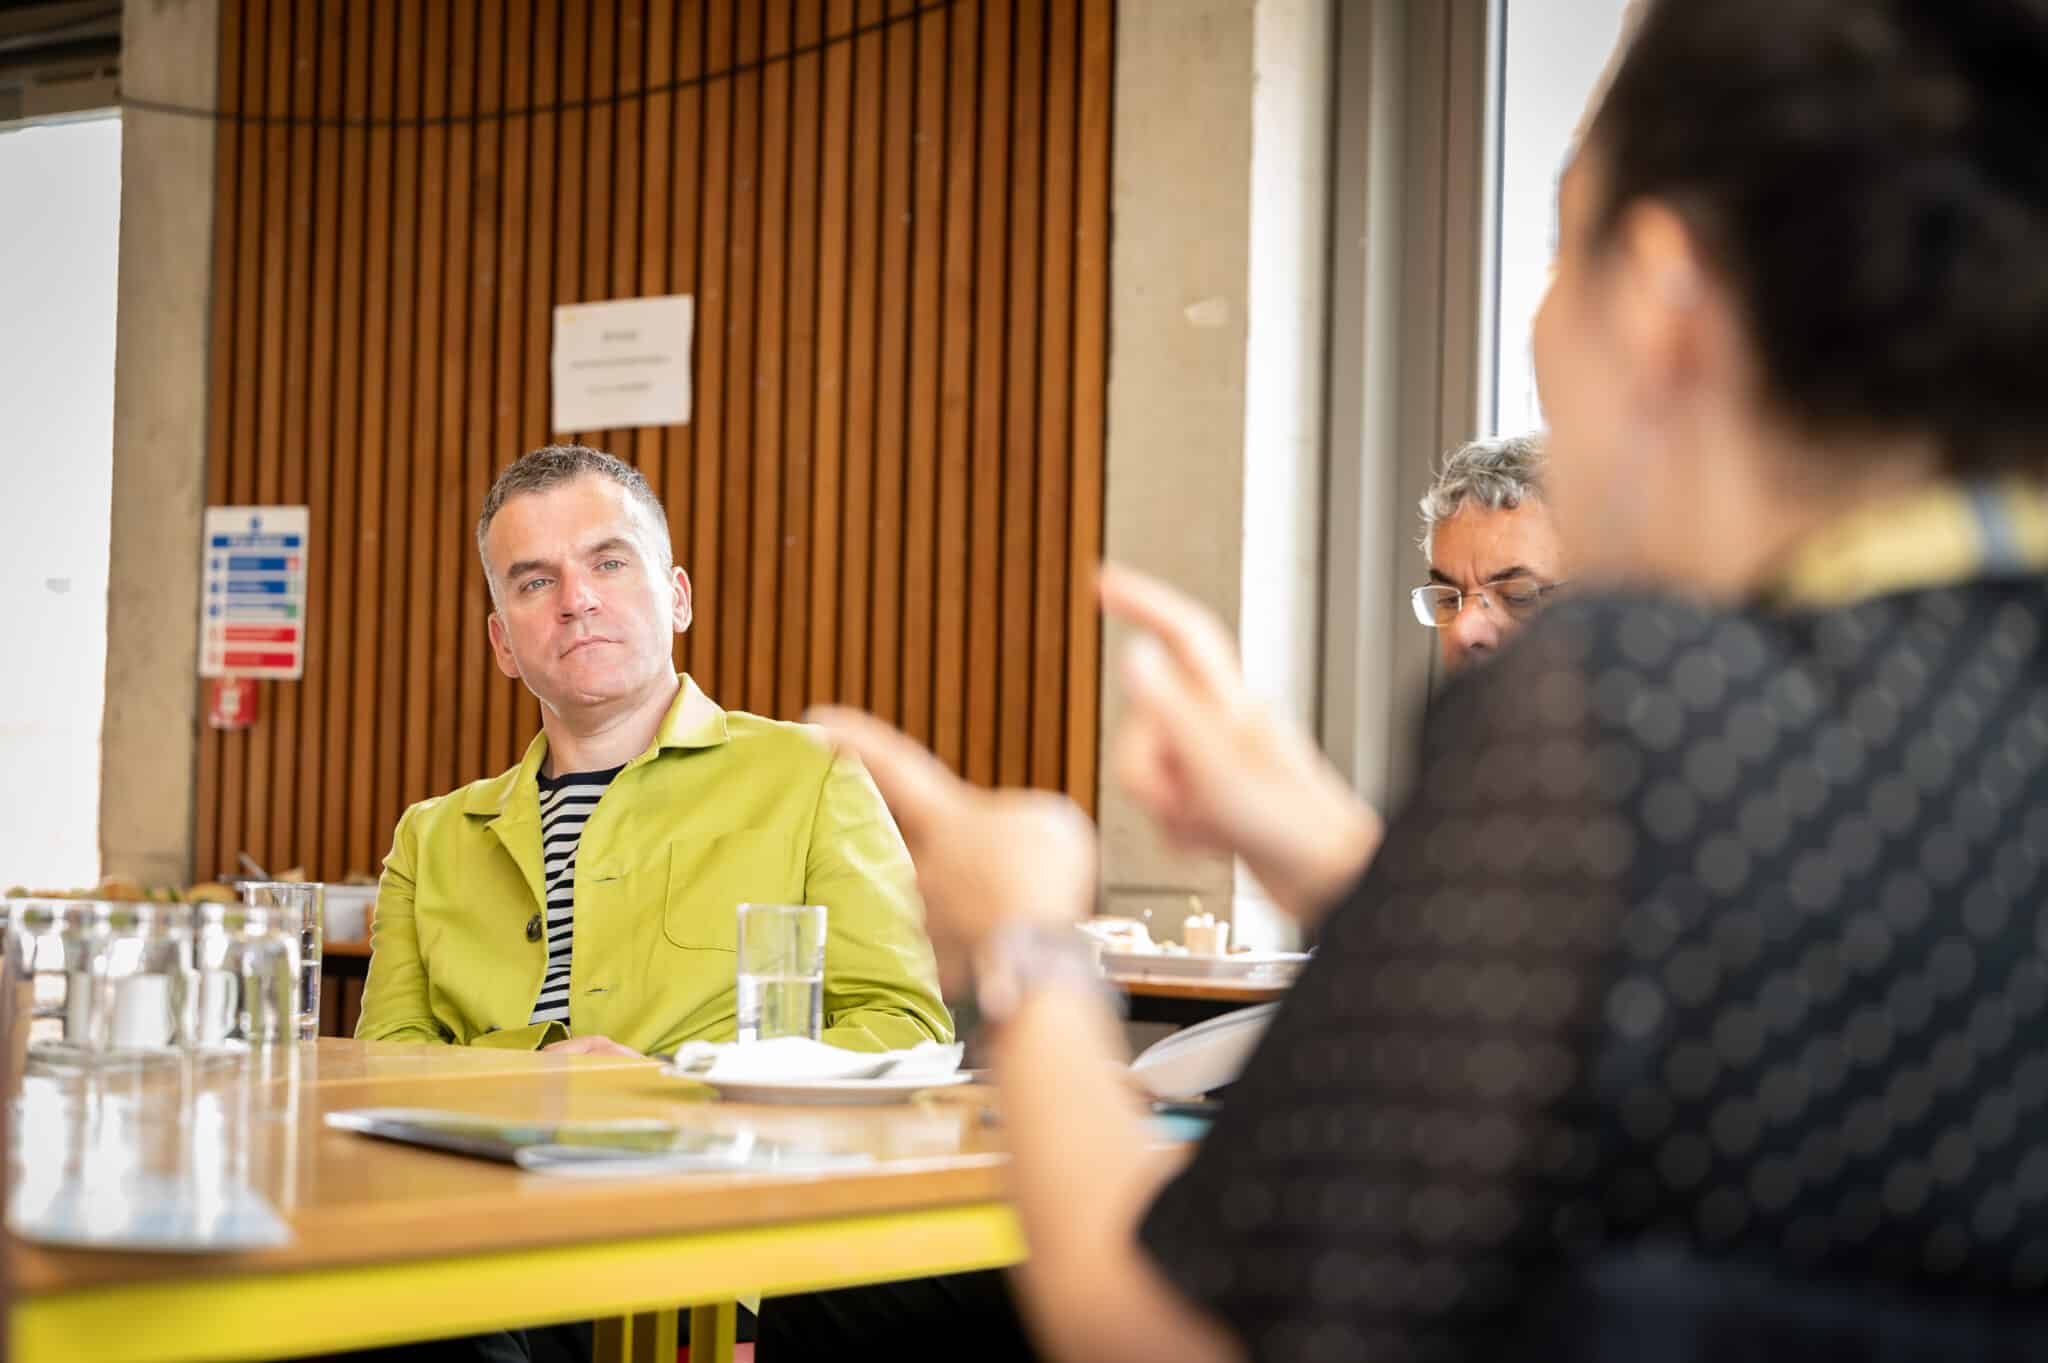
[[649, 1337], [711, 1332]]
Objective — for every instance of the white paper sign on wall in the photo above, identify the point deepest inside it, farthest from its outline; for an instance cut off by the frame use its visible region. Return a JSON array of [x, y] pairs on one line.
[[623, 363]]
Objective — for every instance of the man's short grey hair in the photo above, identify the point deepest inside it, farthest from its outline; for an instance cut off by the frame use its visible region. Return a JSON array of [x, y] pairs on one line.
[[550, 467], [1498, 474]]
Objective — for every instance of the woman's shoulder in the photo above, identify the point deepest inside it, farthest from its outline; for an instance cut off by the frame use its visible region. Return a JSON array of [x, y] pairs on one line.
[[1646, 693], [1646, 659]]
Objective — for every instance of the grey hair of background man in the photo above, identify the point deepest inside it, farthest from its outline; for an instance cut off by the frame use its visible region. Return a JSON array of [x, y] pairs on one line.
[[1497, 473], [551, 466]]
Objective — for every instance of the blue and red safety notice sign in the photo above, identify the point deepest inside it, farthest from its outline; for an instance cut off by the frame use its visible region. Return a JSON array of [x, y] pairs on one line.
[[252, 600]]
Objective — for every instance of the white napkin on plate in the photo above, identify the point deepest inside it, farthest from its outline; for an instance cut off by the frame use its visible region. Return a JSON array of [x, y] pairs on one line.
[[798, 1060]]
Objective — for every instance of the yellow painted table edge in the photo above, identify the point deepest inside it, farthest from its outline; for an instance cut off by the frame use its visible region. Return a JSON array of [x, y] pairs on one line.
[[360, 1306]]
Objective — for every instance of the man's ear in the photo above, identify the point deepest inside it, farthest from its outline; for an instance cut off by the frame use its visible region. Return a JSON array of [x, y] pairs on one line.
[[501, 648], [681, 616]]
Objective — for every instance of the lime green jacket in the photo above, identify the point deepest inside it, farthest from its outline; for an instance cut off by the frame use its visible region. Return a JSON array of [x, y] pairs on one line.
[[723, 809]]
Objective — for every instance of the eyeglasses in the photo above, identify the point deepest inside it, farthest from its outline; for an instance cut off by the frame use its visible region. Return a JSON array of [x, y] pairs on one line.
[[1512, 598]]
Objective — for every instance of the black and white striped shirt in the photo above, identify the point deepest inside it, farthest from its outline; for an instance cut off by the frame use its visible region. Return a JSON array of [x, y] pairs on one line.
[[565, 805]]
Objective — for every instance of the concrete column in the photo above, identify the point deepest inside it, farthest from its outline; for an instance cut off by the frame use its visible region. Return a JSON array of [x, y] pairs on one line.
[[169, 52], [1220, 200]]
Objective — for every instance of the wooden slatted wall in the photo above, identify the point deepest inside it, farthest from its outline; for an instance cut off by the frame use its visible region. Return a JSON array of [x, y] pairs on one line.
[[894, 217]]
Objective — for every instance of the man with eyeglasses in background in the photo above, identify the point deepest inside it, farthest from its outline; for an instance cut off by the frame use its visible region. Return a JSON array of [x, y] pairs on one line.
[[1494, 559]]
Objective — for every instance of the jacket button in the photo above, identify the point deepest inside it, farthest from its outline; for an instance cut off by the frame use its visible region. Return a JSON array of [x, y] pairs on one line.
[[533, 928]]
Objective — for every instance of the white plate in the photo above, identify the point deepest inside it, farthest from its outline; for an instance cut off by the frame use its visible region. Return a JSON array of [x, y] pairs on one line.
[[1247, 966], [1205, 1057], [824, 1092]]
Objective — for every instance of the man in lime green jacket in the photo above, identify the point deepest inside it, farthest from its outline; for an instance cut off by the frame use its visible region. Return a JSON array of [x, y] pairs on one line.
[[605, 921]]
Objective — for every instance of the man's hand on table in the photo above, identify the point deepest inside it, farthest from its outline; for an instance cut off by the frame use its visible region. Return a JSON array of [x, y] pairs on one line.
[[592, 1045]]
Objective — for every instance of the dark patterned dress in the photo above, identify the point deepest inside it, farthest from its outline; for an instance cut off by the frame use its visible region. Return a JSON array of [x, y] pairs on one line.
[[1696, 1007]]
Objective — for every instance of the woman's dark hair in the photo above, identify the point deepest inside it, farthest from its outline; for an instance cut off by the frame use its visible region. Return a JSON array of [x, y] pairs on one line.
[[1871, 178]]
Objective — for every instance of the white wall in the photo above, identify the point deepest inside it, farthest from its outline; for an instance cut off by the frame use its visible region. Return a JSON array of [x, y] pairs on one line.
[[1556, 52], [59, 241]]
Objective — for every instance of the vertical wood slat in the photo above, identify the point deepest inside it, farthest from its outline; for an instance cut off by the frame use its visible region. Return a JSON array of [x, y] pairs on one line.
[[350, 469], [364, 809], [793, 611], [237, 484], [572, 156], [657, 43], [448, 654], [468, 440], [956, 390], [1020, 452], [684, 193], [743, 188], [884, 623], [858, 457], [765, 472], [891, 488], [308, 776], [519, 260], [285, 452], [399, 465], [428, 397], [622, 262], [261, 470], [600, 81], [921, 440], [1088, 423], [330, 492], [708, 418], [1055, 394], [828, 445], [548, 137], [984, 661]]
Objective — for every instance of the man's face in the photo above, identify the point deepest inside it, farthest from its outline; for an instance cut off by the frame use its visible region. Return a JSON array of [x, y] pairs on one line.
[[1491, 556], [586, 614]]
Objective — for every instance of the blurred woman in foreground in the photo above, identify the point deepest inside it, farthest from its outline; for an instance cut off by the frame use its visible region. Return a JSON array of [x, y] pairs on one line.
[[1694, 1005]]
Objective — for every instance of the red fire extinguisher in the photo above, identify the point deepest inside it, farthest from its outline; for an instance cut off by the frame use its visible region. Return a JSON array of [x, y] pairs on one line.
[[233, 703]]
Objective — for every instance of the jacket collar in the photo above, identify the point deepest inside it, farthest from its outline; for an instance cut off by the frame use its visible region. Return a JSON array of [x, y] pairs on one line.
[[1939, 536], [693, 721]]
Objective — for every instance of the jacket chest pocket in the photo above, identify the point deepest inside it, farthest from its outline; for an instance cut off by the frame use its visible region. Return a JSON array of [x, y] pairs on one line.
[[484, 905], [708, 881]]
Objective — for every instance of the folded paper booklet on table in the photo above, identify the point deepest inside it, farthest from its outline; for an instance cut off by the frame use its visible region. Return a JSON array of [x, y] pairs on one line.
[[600, 1148]]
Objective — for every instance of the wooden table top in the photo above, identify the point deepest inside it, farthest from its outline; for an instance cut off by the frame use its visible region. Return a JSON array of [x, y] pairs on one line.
[[352, 1200], [1183, 987]]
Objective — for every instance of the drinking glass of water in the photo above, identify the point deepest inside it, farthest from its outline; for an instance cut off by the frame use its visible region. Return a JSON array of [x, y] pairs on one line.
[[781, 971], [301, 905]]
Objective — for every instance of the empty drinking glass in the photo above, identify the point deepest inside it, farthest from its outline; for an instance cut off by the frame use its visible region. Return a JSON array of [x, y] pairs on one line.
[[144, 1005], [781, 981], [57, 964], [301, 905], [247, 961]]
